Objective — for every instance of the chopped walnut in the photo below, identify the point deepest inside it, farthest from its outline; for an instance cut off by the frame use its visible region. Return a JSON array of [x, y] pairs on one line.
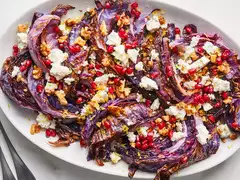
[[80, 41], [150, 64], [37, 72], [103, 29], [213, 58], [45, 49], [162, 20], [194, 56], [127, 91], [123, 20], [20, 78], [166, 118], [158, 120], [61, 97], [233, 136], [62, 39], [228, 100], [86, 33], [115, 110], [71, 22], [163, 132], [35, 128], [106, 61], [225, 68], [22, 28]]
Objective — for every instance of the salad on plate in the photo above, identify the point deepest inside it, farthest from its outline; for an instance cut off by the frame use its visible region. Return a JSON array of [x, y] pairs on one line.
[[126, 84]]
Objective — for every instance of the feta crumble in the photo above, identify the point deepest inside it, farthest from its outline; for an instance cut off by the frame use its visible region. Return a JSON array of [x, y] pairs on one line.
[[205, 79], [179, 127], [194, 41], [131, 137], [50, 87], [155, 105], [15, 71], [143, 131], [207, 106], [188, 51], [22, 40], [133, 54], [115, 157], [69, 81], [119, 54], [153, 24], [203, 134], [174, 111], [148, 84], [223, 131], [140, 98], [139, 66], [210, 48], [190, 85], [154, 55], [212, 96], [113, 39], [64, 29], [43, 121], [103, 79], [177, 136], [59, 71], [220, 85], [57, 56], [200, 63]]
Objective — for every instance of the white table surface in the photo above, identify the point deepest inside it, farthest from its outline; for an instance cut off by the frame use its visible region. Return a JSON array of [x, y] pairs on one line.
[[45, 166]]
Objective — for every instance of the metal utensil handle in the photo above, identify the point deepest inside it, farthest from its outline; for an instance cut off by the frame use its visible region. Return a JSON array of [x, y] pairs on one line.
[[23, 173], [6, 171]]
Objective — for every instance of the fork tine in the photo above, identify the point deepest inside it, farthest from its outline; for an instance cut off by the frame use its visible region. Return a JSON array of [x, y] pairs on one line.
[[23, 173], [6, 171]]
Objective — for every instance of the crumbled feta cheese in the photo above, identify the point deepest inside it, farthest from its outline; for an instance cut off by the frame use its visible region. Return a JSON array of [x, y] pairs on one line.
[[223, 131], [102, 79], [92, 56], [148, 84], [177, 136], [155, 105], [210, 48], [15, 71], [57, 56], [113, 39], [220, 85], [64, 29], [133, 54], [154, 55], [85, 63], [59, 71], [194, 41], [22, 40], [207, 106], [183, 66], [139, 66], [212, 96], [188, 51], [69, 81], [200, 63], [101, 96], [164, 26], [203, 134], [119, 54], [153, 24], [190, 85], [179, 127], [115, 157], [205, 79], [131, 137], [143, 131], [50, 87], [175, 111], [43, 120], [140, 98]]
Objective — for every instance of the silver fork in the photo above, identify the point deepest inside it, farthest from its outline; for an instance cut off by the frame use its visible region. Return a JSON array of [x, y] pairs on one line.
[[23, 173], [6, 171]]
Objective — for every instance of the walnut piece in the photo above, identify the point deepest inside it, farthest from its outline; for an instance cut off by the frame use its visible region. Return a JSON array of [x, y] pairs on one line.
[[123, 20], [86, 33], [103, 29], [225, 68], [45, 49], [80, 41], [22, 28], [70, 22], [37, 72], [61, 97], [62, 39], [35, 128]]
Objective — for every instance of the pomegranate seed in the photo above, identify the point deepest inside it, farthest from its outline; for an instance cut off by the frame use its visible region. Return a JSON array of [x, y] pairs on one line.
[[121, 32], [111, 90], [99, 162], [224, 95], [161, 125], [82, 143], [117, 17], [198, 86], [226, 54], [15, 48], [217, 105], [15, 53], [144, 147], [175, 50], [177, 30], [129, 70], [192, 71], [98, 66], [211, 118], [91, 91], [214, 72], [52, 79], [99, 73], [60, 85], [145, 141], [169, 71], [141, 137], [201, 100], [154, 75], [28, 63], [134, 44], [170, 133], [116, 80], [61, 46], [48, 62], [211, 90], [206, 98], [184, 160], [219, 61], [148, 103], [137, 139], [56, 29], [79, 100], [107, 5], [91, 66], [50, 118], [23, 68], [188, 30], [128, 46], [198, 80], [137, 14], [53, 133], [151, 145], [196, 99], [138, 145], [74, 49], [107, 124], [110, 49], [206, 89], [39, 88], [173, 119], [119, 69], [48, 133], [150, 135], [94, 85], [134, 5], [200, 50], [152, 124], [235, 125]]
